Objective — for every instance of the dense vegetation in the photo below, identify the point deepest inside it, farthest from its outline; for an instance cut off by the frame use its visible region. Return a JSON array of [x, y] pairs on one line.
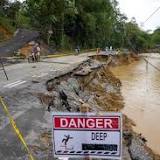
[[87, 23]]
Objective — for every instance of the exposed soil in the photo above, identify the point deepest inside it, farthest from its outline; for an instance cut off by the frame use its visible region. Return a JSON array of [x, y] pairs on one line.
[[100, 90], [4, 34]]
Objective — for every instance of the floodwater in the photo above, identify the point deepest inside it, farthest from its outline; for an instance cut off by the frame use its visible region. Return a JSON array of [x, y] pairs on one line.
[[141, 92]]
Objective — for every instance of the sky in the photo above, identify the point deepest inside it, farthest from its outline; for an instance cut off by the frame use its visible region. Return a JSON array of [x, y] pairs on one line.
[[141, 10]]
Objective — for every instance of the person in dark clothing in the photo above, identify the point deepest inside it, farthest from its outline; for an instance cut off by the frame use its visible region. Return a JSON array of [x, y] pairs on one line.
[[77, 49]]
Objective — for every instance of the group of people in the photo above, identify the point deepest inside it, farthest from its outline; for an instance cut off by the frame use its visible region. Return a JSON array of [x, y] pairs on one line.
[[35, 54]]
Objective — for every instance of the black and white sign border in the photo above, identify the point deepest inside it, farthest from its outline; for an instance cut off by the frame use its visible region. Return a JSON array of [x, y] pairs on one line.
[[93, 154]]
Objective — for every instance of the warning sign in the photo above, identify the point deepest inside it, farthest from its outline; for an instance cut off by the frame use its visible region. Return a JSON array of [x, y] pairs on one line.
[[83, 135]]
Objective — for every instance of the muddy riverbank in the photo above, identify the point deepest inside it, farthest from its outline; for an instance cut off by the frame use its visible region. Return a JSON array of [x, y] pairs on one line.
[[94, 85], [141, 96]]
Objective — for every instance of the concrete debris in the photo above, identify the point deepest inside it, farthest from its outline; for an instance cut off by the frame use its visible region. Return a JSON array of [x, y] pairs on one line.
[[83, 72], [73, 84], [126, 155], [96, 66], [138, 149], [98, 91], [72, 97], [110, 88], [69, 96], [88, 68]]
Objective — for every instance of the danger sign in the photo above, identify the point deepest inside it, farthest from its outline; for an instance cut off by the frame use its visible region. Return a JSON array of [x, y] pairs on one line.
[[83, 135]]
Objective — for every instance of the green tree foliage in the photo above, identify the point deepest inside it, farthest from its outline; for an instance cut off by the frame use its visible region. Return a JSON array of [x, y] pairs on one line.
[[9, 10], [156, 37], [136, 39], [3, 5], [87, 23]]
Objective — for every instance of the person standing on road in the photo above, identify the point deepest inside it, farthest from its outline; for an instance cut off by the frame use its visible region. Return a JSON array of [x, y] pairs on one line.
[[33, 55], [98, 51], [36, 52], [77, 50], [106, 50]]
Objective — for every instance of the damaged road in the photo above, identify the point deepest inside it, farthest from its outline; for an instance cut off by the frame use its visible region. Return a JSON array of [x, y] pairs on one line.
[[82, 82], [23, 73], [25, 80]]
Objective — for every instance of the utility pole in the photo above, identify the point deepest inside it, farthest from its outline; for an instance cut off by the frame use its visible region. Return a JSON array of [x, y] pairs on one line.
[[3, 68]]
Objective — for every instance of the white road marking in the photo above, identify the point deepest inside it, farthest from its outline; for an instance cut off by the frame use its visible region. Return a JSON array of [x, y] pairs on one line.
[[17, 84], [11, 85]]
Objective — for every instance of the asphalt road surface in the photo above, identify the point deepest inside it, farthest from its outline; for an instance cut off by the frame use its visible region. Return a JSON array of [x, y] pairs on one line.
[[30, 116]]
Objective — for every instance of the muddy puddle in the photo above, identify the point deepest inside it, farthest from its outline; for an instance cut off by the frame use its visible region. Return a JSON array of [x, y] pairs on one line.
[[141, 92]]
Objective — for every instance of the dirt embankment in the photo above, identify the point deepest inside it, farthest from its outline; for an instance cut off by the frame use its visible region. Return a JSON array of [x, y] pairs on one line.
[[4, 34], [92, 84]]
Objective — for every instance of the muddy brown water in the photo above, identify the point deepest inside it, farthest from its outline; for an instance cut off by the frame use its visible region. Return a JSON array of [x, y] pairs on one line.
[[141, 92]]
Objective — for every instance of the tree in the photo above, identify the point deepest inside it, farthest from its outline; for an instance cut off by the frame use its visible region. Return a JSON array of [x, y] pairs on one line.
[[156, 37], [87, 23], [136, 39], [3, 7]]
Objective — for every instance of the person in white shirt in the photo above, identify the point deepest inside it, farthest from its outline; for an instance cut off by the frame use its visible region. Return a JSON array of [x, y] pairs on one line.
[[38, 51]]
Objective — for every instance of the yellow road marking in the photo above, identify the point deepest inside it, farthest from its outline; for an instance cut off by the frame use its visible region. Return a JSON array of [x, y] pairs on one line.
[[17, 131]]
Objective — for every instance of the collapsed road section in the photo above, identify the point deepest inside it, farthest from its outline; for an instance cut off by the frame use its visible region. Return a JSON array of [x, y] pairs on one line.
[[90, 84]]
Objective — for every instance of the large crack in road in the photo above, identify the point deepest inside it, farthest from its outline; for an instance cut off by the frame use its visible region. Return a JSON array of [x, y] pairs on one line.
[[87, 80]]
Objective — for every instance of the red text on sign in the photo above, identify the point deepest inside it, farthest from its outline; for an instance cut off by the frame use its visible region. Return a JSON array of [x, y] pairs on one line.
[[86, 123]]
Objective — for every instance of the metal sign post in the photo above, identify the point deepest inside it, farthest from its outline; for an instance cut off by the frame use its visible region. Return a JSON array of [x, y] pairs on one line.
[[3, 69], [82, 135]]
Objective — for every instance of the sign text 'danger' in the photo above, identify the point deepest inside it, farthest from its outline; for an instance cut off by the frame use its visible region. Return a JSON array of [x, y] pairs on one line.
[[86, 123]]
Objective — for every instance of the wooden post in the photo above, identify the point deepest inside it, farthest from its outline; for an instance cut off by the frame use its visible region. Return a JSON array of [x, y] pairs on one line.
[[85, 108]]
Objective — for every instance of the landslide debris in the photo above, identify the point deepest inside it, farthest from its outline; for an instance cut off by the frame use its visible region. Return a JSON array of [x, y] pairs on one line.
[[22, 36], [92, 85], [5, 34]]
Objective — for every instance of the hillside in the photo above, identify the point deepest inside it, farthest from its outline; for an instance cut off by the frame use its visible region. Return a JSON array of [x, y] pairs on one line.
[[5, 34]]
